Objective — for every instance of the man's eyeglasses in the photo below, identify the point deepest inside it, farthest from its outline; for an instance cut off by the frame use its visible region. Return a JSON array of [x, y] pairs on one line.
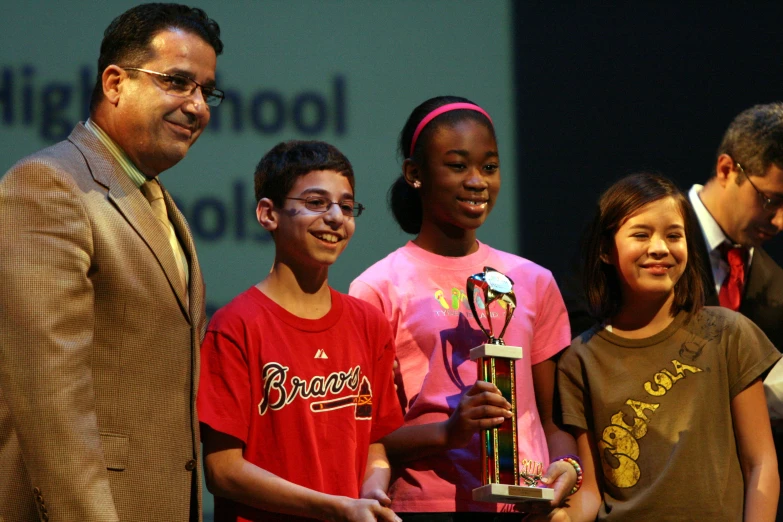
[[767, 202], [182, 86], [321, 204]]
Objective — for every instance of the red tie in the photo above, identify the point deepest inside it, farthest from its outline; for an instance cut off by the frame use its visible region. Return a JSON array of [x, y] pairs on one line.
[[731, 289]]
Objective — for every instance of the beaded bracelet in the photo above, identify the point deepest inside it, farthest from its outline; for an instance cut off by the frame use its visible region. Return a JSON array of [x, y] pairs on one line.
[[577, 464]]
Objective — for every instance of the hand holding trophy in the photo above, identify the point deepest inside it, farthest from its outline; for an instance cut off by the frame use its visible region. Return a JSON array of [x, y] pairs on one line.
[[495, 363]]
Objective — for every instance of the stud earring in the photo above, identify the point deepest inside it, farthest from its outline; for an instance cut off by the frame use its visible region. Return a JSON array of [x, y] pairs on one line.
[[417, 184]]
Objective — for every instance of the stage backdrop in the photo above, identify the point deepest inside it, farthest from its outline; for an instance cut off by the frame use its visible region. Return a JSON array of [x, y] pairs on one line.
[[345, 72]]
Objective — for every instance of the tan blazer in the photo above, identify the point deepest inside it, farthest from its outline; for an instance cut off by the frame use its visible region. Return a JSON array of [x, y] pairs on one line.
[[98, 350]]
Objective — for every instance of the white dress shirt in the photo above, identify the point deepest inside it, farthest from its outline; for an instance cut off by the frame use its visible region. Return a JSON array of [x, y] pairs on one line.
[[714, 237]]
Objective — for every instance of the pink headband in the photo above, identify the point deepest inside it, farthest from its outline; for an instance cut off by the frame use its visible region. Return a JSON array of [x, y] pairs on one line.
[[440, 110]]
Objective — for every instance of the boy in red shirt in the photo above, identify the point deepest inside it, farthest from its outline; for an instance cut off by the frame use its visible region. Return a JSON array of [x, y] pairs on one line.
[[296, 379]]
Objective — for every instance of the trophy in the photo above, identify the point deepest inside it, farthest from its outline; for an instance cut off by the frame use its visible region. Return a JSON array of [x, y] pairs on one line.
[[500, 474]]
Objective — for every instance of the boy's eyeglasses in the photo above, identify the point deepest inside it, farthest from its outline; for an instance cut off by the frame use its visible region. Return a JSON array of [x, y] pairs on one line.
[[767, 202], [321, 204], [182, 86]]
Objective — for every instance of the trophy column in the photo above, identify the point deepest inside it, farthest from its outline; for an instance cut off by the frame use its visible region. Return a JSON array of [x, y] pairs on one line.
[[495, 363], [499, 455]]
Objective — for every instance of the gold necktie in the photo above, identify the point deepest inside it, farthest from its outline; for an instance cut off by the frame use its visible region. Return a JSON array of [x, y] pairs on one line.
[[152, 191]]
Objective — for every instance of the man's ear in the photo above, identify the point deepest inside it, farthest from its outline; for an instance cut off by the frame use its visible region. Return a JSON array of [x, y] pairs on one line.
[[111, 80], [725, 169], [412, 173], [267, 215]]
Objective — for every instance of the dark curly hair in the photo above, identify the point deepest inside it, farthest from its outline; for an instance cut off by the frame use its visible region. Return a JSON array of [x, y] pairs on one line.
[[755, 139], [287, 161]]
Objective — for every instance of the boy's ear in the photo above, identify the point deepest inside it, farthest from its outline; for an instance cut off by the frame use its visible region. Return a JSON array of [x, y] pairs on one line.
[[412, 173], [266, 214]]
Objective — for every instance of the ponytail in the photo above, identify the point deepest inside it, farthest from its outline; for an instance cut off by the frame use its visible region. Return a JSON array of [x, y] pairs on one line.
[[405, 204]]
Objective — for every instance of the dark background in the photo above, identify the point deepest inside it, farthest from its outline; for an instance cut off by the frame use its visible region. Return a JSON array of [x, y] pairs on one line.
[[603, 91]]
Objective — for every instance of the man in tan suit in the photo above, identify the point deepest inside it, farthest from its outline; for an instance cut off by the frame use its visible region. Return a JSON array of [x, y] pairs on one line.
[[101, 295]]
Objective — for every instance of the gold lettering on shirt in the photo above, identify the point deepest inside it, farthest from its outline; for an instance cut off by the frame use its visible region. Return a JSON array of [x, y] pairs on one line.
[[619, 447]]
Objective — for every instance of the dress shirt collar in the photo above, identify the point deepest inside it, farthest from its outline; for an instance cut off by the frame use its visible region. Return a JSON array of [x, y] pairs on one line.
[[117, 153]]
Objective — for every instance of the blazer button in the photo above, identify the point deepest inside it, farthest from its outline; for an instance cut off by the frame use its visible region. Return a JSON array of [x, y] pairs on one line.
[[36, 491], [190, 465]]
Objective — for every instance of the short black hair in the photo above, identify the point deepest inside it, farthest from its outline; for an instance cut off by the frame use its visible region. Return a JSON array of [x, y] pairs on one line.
[[404, 201], [287, 161], [755, 139], [620, 201], [127, 39]]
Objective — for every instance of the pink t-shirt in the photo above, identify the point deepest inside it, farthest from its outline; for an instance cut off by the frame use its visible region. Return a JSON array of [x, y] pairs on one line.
[[423, 297]]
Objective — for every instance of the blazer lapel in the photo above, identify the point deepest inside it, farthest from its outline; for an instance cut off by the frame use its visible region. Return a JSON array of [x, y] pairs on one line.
[[131, 203], [759, 278], [710, 295]]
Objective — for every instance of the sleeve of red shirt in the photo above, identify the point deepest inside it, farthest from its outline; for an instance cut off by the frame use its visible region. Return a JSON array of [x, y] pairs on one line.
[[224, 389]]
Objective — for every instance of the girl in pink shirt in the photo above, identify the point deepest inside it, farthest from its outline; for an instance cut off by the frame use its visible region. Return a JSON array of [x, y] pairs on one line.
[[450, 181]]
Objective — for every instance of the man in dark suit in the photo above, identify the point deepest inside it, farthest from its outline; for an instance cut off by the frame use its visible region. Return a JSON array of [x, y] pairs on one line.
[[101, 295], [739, 209]]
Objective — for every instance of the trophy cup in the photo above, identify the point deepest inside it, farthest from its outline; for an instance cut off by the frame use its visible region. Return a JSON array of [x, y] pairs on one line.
[[495, 362]]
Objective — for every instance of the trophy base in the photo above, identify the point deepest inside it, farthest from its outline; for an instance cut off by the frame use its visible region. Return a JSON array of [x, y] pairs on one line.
[[511, 494], [495, 350]]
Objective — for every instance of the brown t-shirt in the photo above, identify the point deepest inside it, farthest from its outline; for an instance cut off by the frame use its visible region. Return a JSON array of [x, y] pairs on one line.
[[660, 411]]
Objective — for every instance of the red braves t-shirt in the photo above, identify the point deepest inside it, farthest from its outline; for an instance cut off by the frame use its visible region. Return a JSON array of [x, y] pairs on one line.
[[307, 397]]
